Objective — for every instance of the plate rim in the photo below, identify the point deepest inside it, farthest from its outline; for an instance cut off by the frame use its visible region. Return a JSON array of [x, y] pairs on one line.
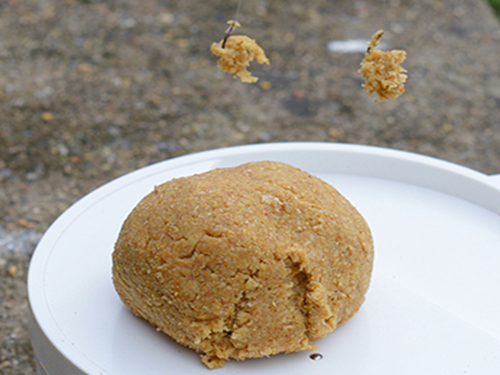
[[54, 230]]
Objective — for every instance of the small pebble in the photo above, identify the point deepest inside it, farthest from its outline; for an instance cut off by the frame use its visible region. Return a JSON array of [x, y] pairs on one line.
[[12, 270], [47, 116], [84, 68], [265, 85], [166, 18]]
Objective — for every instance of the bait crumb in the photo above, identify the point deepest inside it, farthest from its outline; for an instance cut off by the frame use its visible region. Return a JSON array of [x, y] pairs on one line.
[[382, 71], [235, 53]]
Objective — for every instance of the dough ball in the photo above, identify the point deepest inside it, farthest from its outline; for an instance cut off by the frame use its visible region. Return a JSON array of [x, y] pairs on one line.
[[244, 262]]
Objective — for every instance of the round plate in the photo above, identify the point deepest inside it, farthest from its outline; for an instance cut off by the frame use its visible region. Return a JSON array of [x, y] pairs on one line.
[[433, 306]]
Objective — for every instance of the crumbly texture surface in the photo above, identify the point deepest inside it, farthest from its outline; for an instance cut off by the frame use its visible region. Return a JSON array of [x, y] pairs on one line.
[[237, 54], [382, 71], [244, 262]]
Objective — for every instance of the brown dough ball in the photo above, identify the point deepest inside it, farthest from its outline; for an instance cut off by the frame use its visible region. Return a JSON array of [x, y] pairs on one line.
[[244, 262]]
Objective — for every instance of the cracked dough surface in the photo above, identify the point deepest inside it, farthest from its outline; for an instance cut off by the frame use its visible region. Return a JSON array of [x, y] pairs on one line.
[[244, 262]]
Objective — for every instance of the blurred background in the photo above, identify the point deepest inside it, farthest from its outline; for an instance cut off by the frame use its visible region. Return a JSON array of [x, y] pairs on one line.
[[91, 90], [495, 4]]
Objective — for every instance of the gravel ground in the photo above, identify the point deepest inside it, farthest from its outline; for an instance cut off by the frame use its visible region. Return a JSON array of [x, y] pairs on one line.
[[90, 90], [16, 248]]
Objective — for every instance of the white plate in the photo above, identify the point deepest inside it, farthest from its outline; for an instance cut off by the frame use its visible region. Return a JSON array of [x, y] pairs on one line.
[[433, 306]]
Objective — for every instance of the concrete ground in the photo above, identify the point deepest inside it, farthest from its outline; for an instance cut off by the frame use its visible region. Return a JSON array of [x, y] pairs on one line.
[[90, 90]]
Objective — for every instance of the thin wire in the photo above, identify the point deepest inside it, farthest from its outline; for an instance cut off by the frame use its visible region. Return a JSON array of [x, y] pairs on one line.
[[384, 10], [238, 11], [231, 27]]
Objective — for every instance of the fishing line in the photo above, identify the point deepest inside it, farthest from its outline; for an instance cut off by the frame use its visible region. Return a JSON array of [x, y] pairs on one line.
[[384, 12], [232, 25], [238, 10]]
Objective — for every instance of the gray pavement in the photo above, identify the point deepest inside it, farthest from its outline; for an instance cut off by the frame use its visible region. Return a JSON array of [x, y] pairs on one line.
[[91, 90]]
